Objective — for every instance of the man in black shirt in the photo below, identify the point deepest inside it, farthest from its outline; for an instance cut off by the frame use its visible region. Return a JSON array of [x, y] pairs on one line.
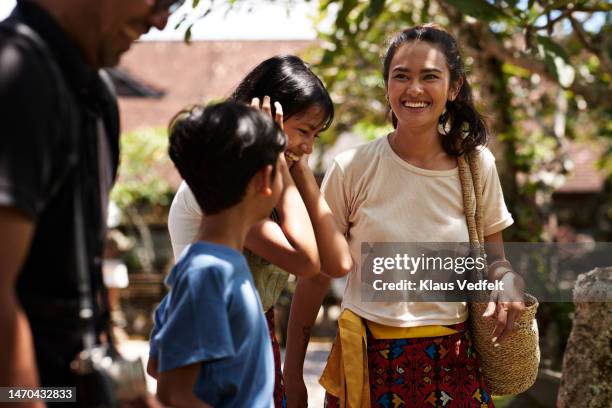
[[60, 129]]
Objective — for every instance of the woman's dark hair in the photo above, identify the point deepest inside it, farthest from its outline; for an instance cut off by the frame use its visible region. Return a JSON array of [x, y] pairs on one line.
[[466, 128], [217, 149], [288, 80]]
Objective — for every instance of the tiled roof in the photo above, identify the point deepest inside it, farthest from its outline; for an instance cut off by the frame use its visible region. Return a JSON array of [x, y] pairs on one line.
[[190, 73]]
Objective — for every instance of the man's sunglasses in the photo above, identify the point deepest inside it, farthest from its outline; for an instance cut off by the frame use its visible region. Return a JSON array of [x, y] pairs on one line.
[[167, 5]]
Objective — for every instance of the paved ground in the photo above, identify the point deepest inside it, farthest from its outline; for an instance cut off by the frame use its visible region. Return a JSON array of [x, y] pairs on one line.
[[313, 366]]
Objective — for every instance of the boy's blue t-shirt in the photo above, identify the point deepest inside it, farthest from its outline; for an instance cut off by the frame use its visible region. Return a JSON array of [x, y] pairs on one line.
[[213, 316]]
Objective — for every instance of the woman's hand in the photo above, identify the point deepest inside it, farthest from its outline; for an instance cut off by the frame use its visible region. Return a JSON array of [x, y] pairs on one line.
[[508, 304]]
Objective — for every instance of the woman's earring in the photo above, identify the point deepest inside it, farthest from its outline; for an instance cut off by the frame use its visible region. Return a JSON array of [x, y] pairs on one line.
[[443, 123]]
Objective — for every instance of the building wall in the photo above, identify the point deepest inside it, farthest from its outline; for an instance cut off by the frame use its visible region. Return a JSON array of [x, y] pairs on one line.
[[190, 73]]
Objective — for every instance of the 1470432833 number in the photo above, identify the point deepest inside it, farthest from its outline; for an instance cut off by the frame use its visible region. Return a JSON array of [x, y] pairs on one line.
[[13, 394]]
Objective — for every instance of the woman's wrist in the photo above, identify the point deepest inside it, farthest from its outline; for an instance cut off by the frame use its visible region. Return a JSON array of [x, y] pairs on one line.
[[499, 268], [304, 178], [293, 368]]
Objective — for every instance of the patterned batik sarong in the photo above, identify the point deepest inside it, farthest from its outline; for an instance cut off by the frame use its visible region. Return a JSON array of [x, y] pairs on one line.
[[424, 373], [280, 400]]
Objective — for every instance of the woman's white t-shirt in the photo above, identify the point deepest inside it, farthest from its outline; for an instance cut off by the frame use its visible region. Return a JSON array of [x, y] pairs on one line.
[[376, 196]]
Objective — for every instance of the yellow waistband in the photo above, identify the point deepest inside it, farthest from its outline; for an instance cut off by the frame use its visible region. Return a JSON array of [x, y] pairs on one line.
[[381, 331]]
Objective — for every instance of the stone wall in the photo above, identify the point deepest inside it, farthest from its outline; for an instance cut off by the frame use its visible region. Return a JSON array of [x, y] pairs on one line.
[[587, 364]]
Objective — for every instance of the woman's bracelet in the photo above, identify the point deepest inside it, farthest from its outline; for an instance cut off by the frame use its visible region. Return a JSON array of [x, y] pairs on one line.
[[498, 268]]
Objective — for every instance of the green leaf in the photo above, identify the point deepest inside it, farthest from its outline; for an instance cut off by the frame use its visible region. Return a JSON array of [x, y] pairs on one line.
[[425, 11], [328, 58], [376, 7], [553, 47], [513, 70], [323, 5], [549, 60], [479, 9], [195, 3], [188, 34], [341, 18]]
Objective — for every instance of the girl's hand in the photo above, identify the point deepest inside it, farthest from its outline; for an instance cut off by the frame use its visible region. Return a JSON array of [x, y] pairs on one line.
[[507, 305], [302, 163], [291, 158], [266, 107], [297, 163], [278, 115]]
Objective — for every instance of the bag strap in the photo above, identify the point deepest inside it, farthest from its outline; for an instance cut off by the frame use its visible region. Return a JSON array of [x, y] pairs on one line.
[[471, 188]]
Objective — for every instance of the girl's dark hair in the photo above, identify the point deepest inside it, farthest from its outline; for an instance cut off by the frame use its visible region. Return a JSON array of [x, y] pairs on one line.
[[288, 80], [467, 126]]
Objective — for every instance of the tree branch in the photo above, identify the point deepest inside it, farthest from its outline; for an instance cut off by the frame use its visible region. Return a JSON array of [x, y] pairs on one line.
[[572, 5], [593, 9], [552, 22], [479, 34], [582, 36], [589, 44]]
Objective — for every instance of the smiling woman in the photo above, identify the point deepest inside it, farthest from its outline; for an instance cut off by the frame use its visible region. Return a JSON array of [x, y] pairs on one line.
[[406, 187]]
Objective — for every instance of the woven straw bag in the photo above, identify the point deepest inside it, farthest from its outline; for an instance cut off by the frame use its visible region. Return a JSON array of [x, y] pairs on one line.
[[512, 366]]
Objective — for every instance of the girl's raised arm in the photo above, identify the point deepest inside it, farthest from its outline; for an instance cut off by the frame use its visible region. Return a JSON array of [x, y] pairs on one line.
[[334, 251], [291, 244]]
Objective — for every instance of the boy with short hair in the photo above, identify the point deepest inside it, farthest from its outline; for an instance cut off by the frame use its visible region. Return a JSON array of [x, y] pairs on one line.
[[211, 341]]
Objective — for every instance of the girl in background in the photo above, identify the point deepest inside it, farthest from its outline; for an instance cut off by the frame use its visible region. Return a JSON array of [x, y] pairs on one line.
[[301, 236]]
